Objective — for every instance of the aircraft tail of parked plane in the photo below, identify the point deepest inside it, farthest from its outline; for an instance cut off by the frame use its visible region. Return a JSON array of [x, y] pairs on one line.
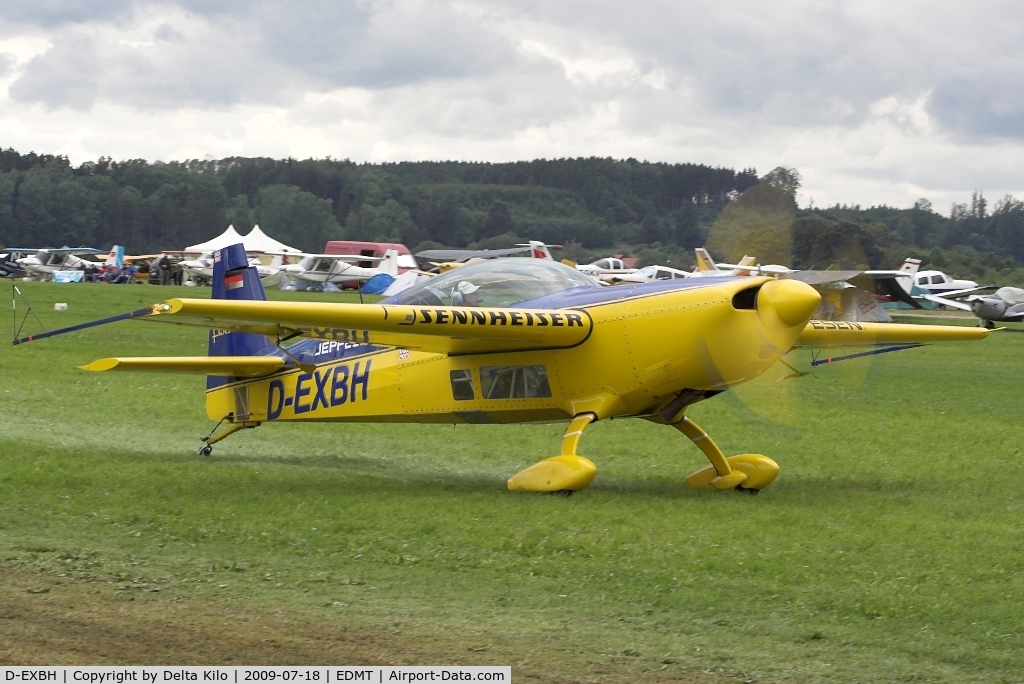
[[539, 250], [908, 269], [389, 264], [745, 261], [116, 257], [705, 264], [910, 266], [279, 260]]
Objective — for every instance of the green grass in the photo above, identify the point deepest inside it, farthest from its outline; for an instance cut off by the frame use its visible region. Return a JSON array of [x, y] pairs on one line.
[[891, 548]]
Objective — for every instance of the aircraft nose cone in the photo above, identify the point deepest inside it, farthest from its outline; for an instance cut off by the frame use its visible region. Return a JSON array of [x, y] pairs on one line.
[[793, 302]]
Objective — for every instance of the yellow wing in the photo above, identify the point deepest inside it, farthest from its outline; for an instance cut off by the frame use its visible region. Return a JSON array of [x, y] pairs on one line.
[[449, 330], [848, 334]]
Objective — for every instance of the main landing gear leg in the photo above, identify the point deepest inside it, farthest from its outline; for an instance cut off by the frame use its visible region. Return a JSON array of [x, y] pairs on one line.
[[210, 439], [750, 472], [567, 472]]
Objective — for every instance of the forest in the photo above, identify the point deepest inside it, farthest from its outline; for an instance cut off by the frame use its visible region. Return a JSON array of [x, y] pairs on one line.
[[592, 206]]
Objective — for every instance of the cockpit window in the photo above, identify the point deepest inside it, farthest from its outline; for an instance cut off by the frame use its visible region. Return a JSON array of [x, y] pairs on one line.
[[499, 282]]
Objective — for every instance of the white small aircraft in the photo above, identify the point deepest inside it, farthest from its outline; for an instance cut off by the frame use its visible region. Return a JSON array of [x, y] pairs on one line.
[[647, 274], [938, 283], [338, 268], [707, 268], [43, 263], [200, 270], [605, 267], [928, 285], [613, 271]]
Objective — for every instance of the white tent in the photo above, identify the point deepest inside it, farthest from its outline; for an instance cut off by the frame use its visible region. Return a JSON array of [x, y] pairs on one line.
[[258, 241], [228, 237], [255, 241]]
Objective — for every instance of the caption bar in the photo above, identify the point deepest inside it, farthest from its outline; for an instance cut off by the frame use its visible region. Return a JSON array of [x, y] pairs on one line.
[[371, 674]]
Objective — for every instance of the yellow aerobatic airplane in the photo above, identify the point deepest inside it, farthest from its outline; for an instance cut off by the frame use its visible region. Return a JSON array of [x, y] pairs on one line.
[[506, 341]]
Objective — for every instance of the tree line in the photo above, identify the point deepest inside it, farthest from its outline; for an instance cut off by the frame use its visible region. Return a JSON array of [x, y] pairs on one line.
[[45, 201], [592, 205]]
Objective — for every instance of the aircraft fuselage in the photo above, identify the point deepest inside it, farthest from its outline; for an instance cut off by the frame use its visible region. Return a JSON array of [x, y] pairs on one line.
[[641, 352]]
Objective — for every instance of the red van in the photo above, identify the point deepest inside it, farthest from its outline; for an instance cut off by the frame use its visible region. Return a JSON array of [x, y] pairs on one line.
[[372, 249], [406, 261]]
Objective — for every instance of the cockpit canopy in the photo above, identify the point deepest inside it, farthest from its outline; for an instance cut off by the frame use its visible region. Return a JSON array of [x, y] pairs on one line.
[[499, 282]]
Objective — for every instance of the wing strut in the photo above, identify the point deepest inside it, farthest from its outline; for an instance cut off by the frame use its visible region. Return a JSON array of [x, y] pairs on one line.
[[81, 326], [846, 357], [14, 312]]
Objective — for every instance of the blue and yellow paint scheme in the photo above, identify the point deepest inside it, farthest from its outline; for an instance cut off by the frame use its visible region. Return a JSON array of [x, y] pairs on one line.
[[566, 350]]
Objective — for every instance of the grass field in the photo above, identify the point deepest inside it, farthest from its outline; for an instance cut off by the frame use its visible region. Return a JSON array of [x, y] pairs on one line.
[[891, 548]]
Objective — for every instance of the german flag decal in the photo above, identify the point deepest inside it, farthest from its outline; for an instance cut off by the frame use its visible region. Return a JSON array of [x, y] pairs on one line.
[[233, 282]]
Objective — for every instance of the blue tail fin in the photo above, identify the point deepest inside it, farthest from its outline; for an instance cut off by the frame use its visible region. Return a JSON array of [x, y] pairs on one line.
[[235, 279]]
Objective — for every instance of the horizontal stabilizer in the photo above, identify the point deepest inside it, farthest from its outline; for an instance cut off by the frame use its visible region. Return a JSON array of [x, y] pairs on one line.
[[848, 334], [953, 304], [957, 294], [238, 366]]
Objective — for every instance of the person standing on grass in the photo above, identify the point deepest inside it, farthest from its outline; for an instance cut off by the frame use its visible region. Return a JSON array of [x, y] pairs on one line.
[[165, 270]]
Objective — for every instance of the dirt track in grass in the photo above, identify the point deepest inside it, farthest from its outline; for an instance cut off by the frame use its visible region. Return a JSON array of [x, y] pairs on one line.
[[46, 620]]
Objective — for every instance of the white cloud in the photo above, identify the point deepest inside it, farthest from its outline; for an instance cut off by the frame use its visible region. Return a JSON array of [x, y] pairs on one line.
[[873, 101]]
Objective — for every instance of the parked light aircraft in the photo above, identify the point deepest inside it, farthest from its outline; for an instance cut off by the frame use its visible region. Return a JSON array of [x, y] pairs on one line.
[[338, 268], [200, 269], [648, 274], [610, 266], [43, 263], [9, 266], [707, 268], [1004, 305], [610, 270], [938, 283], [505, 341]]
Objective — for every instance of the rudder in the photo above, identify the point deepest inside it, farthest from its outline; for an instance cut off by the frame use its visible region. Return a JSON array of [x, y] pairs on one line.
[[234, 279]]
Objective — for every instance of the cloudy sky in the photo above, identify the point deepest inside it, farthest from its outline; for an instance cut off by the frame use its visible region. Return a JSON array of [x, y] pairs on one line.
[[872, 101]]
